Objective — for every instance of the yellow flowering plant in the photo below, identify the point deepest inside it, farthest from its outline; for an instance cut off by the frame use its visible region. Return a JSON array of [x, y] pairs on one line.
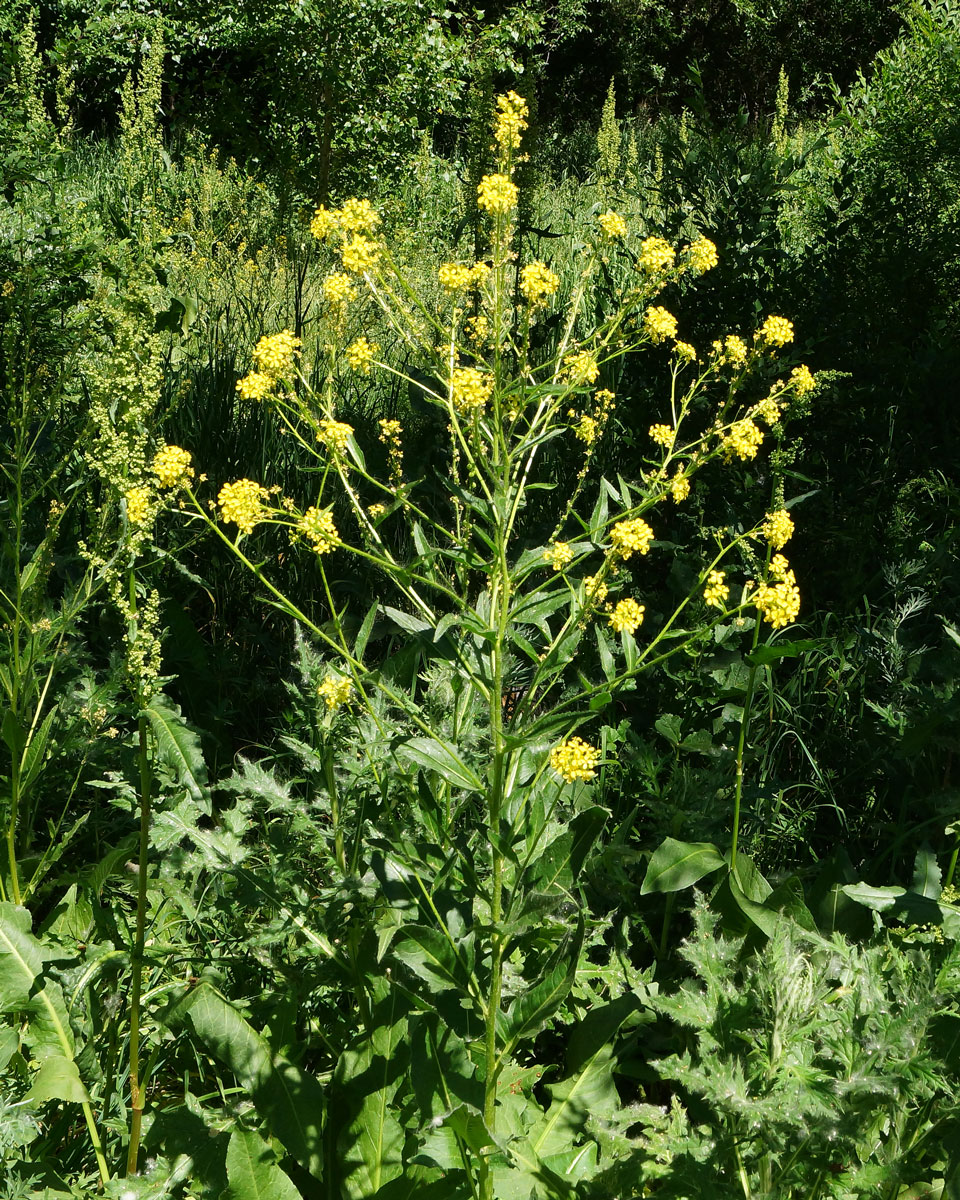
[[536, 630]]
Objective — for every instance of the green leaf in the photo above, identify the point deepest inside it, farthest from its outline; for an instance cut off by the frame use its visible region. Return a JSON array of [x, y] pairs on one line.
[[36, 750], [437, 756], [360, 645], [179, 747], [533, 1008], [408, 623], [768, 654], [926, 875], [677, 865], [669, 726], [252, 1171], [429, 953], [57, 1079], [21, 958], [289, 1101], [878, 898]]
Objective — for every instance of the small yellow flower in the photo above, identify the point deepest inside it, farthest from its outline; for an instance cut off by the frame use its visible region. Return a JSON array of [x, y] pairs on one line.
[[612, 224], [558, 555], [470, 389], [376, 511], [802, 380], [360, 354], [629, 537], [537, 282], [656, 254], [733, 351], [769, 410], [335, 435], [627, 616], [574, 759], [359, 254], [581, 367], [778, 603], [496, 194], [716, 592], [663, 435], [777, 331], [274, 355], [685, 351], [256, 386], [702, 255], [324, 223], [338, 288], [171, 465], [660, 324], [511, 120], [242, 504], [318, 528], [334, 692], [743, 440], [679, 487], [586, 429], [455, 276], [778, 528], [358, 216], [594, 590], [139, 505], [390, 431]]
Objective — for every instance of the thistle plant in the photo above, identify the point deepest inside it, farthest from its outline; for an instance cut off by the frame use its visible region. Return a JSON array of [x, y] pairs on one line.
[[479, 932]]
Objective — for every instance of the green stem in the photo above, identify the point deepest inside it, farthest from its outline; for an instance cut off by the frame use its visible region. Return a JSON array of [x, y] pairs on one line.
[[741, 744], [334, 796], [136, 1084]]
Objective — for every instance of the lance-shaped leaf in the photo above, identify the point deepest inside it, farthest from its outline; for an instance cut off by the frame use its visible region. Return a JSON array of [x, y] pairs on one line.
[[533, 1008], [57, 1079], [433, 957], [438, 756], [289, 1101], [252, 1171], [676, 865], [179, 747]]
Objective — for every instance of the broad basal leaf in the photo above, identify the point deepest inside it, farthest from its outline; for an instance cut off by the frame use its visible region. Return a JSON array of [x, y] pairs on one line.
[[676, 865]]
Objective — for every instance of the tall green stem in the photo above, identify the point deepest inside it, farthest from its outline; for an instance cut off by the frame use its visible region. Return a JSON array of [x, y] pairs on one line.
[[136, 1083]]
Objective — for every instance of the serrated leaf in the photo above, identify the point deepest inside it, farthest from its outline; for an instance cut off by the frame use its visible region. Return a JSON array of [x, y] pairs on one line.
[[179, 747], [677, 865], [429, 953], [926, 875], [252, 1171], [438, 756]]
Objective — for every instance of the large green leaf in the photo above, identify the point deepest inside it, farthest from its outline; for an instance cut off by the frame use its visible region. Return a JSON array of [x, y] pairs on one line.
[[926, 875], [430, 953], [438, 756], [21, 957], [57, 1079], [533, 1008], [289, 1101], [676, 865], [179, 747], [252, 1171]]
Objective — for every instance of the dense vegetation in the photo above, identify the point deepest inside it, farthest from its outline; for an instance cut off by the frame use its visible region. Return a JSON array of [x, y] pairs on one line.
[[479, 600]]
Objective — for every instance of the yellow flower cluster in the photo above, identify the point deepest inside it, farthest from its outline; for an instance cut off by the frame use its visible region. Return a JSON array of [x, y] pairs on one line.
[[359, 254], [274, 354], [255, 386], [627, 616], [656, 254], [629, 537], [390, 431], [324, 223], [702, 255], [358, 216], [574, 759], [662, 434], [716, 592], [376, 511], [595, 590], [470, 388], [361, 353], [769, 410], [496, 194], [743, 440], [318, 528], [685, 351], [338, 288], [612, 224], [455, 276], [802, 380], [242, 503], [679, 487], [511, 120], [139, 505], [586, 428], [660, 324], [172, 467], [334, 692], [537, 282], [779, 602], [733, 351], [581, 367], [778, 528], [777, 331], [559, 555], [335, 435]]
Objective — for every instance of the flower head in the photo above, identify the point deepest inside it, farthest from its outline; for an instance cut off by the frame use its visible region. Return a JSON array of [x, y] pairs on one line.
[[574, 759], [776, 331], [594, 590], [581, 367], [702, 255], [778, 528], [171, 465], [455, 276], [663, 435], [335, 692], [627, 616], [778, 602], [470, 388], [742, 440], [359, 254], [802, 380], [324, 223], [612, 224], [629, 537], [358, 216], [242, 503], [496, 194], [360, 354], [679, 487], [256, 386], [733, 351], [537, 282], [318, 528], [558, 555], [716, 591], [139, 505], [511, 120], [338, 288], [685, 351], [274, 354], [656, 254], [335, 435], [660, 324]]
